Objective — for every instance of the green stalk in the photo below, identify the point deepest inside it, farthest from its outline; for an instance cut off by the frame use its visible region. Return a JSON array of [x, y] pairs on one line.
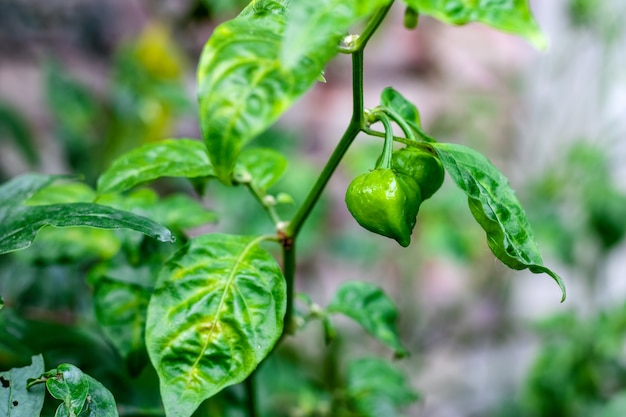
[[289, 269], [385, 158], [251, 403]]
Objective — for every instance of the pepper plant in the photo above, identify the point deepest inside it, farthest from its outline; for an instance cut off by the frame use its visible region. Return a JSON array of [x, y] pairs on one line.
[[212, 311]]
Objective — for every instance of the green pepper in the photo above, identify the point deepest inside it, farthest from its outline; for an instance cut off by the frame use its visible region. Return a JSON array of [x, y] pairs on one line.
[[423, 167], [385, 204], [382, 201]]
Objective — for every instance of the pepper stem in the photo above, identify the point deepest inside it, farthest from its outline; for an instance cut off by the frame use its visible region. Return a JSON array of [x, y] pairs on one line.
[[384, 161]]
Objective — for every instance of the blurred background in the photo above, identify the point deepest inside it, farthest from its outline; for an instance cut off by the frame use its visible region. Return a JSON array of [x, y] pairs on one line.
[[82, 82]]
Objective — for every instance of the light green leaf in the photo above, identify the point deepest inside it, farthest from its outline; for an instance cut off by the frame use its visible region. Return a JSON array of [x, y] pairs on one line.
[[21, 224], [100, 402], [65, 192], [260, 166], [512, 16], [15, 399], [169, 158], [496, 208], [377, 389], [255, 66], [369, 306], [216, 312], [320, 25], [82, 395], [392, 99], [68, 383]]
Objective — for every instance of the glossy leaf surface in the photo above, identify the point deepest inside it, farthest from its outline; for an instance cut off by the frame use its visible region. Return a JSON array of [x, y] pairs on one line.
[[496, 208], [15, 399], [255, 66], [392, 99], [216, 312], [378, 389], [513, 16], [68, 383], [260, 166], [315, 27], [82, 395], [169, 158], [369, 306], [21, 224]]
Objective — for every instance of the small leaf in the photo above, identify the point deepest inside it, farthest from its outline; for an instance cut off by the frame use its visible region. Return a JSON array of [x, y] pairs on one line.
[[169, 158], [68, 384], [16, 400], [20, 225], [513, 16], [392, 99], [82, 395], [216, 312], [262, 167], [369, 306], [377, 389], [496, 208]]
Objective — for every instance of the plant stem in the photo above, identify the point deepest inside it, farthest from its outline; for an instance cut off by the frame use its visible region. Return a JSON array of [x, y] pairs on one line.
[[372, 26], [289, 269], [251, 404]]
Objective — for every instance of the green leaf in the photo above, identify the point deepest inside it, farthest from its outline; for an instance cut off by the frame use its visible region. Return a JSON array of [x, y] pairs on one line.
[[512, 16], [496, 208], [216, 312], [377, 389], [19, 189], [393, 100], [21, 224], [314, 26], [82, 395], [260, 166], [255, 66], [68, 383], [15, 399], [120, 296], [67, 192], [169, 158], [100, 402], [369, 306]]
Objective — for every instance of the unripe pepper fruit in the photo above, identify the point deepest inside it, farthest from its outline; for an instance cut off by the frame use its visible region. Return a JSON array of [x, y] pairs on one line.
[[385, 204], [382, 201], [423, 167]]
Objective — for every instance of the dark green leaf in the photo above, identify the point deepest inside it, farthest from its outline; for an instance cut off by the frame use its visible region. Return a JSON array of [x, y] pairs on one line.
[[369, 306], [216, 312], [513, 16], [19, 189], [68, 383], [20, 225], [120, 297], [13, 125], [170, 158], [15, 399], [261, 167], [255, 66], [496, 208], [392, 99], [377, 389]]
